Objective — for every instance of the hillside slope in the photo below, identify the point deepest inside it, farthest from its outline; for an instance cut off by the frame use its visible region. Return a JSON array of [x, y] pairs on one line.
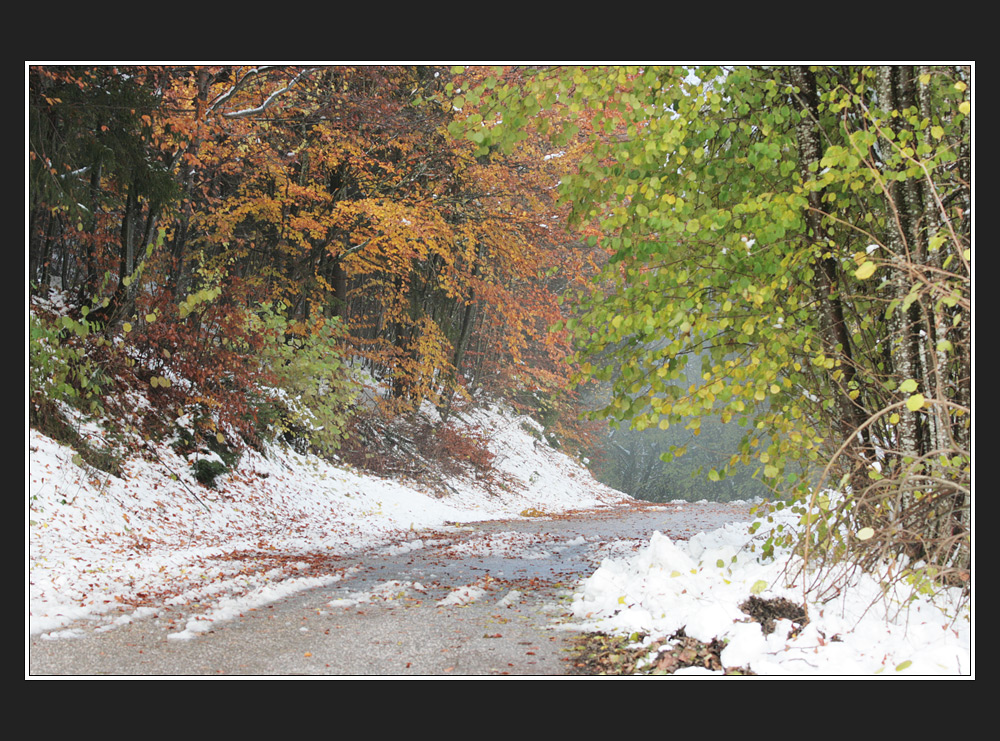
[[107, 549]]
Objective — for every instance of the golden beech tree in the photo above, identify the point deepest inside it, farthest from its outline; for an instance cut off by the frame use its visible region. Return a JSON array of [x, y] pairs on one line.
[[359, 204]]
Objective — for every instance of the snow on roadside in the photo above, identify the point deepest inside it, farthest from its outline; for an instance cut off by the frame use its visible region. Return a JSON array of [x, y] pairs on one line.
[[100, 548], [698, 586]]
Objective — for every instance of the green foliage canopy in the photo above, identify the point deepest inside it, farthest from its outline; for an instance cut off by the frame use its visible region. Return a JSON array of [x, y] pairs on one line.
[[803, 231]]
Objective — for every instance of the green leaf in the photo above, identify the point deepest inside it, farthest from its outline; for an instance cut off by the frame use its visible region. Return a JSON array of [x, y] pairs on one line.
[[758, 587]]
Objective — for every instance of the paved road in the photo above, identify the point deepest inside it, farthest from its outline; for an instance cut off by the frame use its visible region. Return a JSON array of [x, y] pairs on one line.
[[523, 572]]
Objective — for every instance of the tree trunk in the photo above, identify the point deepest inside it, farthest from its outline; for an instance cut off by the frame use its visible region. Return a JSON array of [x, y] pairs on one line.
[[894, 87], [836, 338]]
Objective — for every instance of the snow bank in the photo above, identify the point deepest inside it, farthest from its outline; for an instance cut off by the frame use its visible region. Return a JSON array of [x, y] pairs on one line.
[[700, 585]]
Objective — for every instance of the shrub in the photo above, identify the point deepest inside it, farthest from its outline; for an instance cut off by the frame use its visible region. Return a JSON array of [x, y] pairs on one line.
[[309, 403], [58, 366], [206, 471]]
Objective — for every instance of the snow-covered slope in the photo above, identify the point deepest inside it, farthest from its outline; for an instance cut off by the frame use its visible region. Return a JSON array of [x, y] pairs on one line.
[[98, 544]]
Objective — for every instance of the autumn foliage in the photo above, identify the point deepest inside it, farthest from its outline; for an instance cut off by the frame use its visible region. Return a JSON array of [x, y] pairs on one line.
[[209, 223]]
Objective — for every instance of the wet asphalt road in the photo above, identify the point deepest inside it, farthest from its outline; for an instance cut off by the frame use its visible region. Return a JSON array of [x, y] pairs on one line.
[[533, 563]]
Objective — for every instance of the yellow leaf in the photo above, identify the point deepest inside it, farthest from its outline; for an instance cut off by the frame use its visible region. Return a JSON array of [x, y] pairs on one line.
[[915, 402], [866, 270]]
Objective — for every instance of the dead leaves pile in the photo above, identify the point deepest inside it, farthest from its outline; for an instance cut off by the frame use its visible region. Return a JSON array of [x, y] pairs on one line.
[[600, 653], [610, 655], [767, 611]]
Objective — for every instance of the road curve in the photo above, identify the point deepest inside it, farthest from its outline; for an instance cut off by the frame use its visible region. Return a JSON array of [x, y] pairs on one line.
[[476, 599]]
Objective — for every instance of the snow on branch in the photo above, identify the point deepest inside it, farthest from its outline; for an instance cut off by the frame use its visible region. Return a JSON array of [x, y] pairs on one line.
[[242, 82]]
